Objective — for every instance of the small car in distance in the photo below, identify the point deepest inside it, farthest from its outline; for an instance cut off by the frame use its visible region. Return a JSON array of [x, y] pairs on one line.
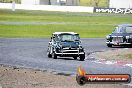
[[122, 35], [65, 44]]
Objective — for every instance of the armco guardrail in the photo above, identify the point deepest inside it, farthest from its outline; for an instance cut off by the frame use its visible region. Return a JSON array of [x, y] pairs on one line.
[[48, 7], [113, 10]]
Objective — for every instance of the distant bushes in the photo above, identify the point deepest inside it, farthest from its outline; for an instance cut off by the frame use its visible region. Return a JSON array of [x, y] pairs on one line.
[[9, 1], [94, 3]]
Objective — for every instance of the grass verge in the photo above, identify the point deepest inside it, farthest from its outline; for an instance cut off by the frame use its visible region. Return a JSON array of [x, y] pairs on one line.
[[47, 30], [86, 24]]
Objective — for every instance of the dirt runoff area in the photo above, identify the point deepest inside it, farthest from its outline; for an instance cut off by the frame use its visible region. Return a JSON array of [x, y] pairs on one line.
[[11, 77], [116, 54]]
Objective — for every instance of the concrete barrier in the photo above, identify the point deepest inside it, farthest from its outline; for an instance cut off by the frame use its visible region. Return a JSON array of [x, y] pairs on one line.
[[48, 7]]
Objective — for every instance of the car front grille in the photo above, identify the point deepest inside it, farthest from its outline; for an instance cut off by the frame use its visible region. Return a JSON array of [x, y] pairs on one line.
[[70, 51], [117, 39]]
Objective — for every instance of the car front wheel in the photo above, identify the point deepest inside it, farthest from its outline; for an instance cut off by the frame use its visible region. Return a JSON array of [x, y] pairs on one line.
[[54, 56], [82, 57], [49, 55], [109, 45]]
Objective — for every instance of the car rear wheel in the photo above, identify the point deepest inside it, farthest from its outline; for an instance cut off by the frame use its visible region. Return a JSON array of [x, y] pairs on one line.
[[54, 56], [82, 57], [109, 45]]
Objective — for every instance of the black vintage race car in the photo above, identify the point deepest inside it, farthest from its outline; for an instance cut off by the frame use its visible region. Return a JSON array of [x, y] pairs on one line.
[[122, 35], [65, 44]]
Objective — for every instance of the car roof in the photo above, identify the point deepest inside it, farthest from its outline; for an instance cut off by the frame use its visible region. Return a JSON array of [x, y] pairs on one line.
[[125, 25], [65, 33]]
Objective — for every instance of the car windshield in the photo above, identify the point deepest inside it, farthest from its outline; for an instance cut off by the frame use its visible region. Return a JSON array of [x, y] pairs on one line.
[[123, 30], [118, 30], [69, 37]]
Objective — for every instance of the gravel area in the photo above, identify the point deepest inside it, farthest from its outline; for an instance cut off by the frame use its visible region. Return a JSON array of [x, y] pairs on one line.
[[117, 54], [11, 77]]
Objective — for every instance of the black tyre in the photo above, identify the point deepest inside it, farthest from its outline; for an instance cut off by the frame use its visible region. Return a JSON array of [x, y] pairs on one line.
[[49, 55], [75, 57], [82, 57], [109, 45], [54, 56]]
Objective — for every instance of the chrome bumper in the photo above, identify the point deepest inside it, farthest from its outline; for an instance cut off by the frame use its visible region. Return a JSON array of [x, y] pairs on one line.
[[70, 53], [118, 43]]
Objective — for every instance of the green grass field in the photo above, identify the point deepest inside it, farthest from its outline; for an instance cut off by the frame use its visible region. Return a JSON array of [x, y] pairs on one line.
[[86, 24]]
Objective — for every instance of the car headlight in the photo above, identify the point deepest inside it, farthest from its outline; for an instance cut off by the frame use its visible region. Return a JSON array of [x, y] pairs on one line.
[[107, 37], [127, 37], [58, 46], [80, 46]]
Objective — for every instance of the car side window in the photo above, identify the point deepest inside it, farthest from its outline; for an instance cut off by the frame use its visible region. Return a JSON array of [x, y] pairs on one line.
[[115, 30], [128, 29]]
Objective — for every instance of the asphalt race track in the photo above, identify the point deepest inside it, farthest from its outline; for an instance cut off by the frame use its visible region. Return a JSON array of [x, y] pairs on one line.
[[31, 53]]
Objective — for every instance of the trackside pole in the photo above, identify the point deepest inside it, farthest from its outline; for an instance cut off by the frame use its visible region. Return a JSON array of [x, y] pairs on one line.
[[13, 5]]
